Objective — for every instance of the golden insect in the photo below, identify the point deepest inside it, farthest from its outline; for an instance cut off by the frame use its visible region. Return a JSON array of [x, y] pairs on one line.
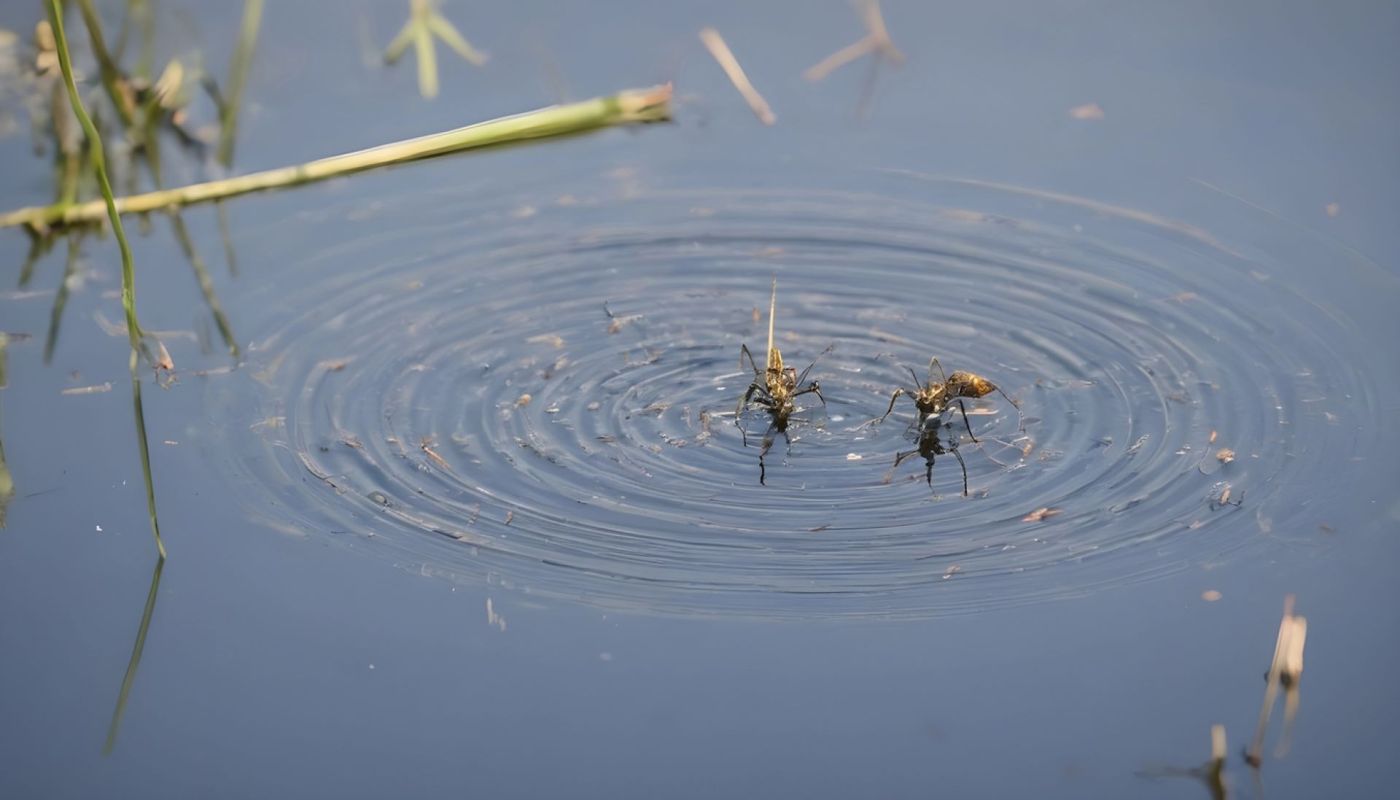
[[774, 388], [932, 398]]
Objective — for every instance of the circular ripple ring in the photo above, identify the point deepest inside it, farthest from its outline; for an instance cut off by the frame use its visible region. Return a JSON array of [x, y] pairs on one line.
[[544, 399]]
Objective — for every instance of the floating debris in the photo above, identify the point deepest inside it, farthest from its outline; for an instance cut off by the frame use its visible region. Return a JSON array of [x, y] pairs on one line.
[[1212, 773], [1285, 671], [426, 444], [1087, 111], [100, 388], [1041, 514], [1221, 495], [1211, 595], [617, 322], [424, 23], [727, 62], [553, 369], [552, 339], [492, 618], [876, 40]]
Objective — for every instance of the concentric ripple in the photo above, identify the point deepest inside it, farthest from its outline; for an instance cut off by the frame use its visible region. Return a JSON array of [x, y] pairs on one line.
[[540, 394]]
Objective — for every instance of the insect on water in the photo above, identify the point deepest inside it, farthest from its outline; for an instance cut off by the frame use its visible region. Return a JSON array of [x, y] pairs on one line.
[[932, 398], [774, 388]]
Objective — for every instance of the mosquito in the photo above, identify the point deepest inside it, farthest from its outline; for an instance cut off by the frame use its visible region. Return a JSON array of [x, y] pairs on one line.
[[774, 388]]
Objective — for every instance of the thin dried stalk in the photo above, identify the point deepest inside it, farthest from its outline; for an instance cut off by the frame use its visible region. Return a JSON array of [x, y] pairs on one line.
[[721, 52]]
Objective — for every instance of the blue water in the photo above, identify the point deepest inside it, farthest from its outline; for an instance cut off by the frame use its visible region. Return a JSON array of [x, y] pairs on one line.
[[604, 602]]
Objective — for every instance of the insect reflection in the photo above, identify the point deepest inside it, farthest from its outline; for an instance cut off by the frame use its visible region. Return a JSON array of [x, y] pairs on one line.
[[930, 446]]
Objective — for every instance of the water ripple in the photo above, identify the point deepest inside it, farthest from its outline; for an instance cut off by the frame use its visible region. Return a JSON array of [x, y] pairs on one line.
[[538, 393]]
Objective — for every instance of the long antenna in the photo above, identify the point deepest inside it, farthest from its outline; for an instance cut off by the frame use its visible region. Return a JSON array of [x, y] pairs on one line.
[[772, 306]]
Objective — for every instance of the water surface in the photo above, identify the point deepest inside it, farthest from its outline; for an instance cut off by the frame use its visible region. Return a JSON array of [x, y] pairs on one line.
[[391, 575]]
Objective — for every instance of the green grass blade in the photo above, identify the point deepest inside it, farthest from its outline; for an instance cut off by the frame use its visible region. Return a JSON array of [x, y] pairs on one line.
[[134, 663], [226, 235], [145, 448], [238, 79], [60, 298], [106, 66], [133, 328], [624, 108], [206, 283]]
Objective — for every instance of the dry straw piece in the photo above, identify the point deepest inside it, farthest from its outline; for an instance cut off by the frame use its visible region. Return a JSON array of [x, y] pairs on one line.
[[721, 52]]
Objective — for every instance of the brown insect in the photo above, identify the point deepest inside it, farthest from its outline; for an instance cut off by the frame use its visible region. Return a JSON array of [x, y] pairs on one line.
[[932, 398], [774, 388]]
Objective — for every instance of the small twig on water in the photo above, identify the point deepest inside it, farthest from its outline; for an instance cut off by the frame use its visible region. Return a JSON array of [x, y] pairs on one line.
[[876, 40], [1285, 670], [425, 22], [722, 54]]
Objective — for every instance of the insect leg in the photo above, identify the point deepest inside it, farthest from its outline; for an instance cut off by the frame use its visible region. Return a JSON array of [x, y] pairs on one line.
[[963, 409], [753, 365], [915, 376], [739, 411], [814, 387], [803, 377], [763, 452], [893, 397], [1021, 424], [962, 464]]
